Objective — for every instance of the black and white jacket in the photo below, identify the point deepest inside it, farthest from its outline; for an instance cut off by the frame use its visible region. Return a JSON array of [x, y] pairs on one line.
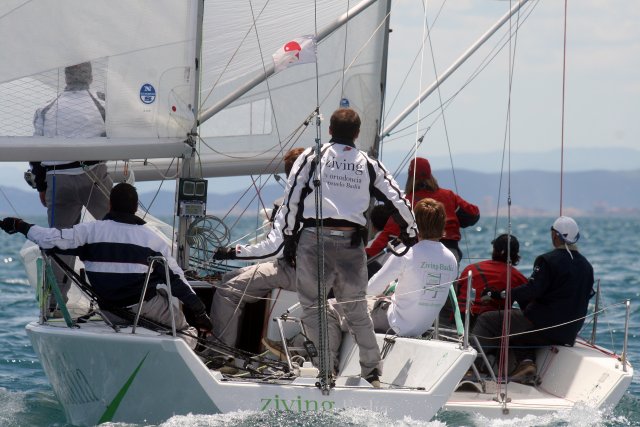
[[349, 178], [115, 253]]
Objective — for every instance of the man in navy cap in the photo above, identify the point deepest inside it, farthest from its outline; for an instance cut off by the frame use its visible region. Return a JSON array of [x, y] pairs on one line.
[[553, 304]]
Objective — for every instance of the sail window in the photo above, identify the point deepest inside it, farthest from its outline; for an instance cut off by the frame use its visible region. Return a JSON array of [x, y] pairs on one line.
[[251, 118]]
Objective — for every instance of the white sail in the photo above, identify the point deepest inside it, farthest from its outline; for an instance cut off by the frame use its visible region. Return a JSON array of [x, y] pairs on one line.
[[259, 126], [143, 58], [250, 135]]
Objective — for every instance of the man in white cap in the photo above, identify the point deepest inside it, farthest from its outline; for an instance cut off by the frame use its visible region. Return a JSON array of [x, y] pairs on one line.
[[553, 303]]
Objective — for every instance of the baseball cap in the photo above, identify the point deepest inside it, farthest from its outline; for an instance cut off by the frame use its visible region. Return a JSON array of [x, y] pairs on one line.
[[422, 167], [567, 229]]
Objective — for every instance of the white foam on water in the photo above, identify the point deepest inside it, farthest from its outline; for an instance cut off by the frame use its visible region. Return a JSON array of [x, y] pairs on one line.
[[346, 417], [13, 404], [580, 415]]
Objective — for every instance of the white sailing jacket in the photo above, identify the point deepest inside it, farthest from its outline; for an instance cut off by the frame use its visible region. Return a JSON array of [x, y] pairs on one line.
[[75, 113], [349, 178], [424, 276], [267, 248]]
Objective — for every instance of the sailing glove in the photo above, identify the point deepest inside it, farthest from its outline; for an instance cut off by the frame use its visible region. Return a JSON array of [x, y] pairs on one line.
[[225, 253], [289, 250], [202, 322], [406, 240], [13, 225]]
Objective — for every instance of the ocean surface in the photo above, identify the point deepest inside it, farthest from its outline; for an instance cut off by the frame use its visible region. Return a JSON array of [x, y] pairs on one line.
[[611, 244]]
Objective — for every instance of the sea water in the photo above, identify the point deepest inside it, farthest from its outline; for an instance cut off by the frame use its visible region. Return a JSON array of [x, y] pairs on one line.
[[611, 244]]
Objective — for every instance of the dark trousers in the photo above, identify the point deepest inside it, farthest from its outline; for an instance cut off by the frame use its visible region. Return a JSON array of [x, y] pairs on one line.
[[488, 330]]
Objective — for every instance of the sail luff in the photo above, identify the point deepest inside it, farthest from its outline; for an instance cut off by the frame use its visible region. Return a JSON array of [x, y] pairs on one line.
[[262, 75]]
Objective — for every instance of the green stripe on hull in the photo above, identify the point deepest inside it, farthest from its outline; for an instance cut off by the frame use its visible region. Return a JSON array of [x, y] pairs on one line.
[[115, 403]]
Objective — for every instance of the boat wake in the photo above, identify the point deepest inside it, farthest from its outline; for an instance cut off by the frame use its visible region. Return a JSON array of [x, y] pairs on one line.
[[580, 415], [347, 417]]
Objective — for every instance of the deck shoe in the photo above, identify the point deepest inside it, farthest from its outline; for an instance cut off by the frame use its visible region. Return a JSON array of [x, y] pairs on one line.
[[525, 372], [374, 379]]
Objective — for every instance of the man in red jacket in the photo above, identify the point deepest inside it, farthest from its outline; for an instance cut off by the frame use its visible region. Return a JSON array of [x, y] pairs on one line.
[[490, 276]]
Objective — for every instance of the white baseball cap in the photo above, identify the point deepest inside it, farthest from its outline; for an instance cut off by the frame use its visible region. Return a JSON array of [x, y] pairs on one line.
[[567, 229]]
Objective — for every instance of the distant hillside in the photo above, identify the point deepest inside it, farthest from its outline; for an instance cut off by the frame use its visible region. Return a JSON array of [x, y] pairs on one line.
[[532, 193]]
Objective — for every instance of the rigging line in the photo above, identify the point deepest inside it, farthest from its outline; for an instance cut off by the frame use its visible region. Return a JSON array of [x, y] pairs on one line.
[[557, 325], [292, 142], [224, 70], [158, 190], [344, 52], [264, 69], [301, 128], [504, 359], [413, 63], [323, 329], [564, 81], [356, 57], [425, 37], [483, 64], [444, 124], [9, 202]]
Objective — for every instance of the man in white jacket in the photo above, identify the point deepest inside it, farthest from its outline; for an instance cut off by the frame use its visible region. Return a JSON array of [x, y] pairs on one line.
[[342, 180], [249, 284], [66, 186]]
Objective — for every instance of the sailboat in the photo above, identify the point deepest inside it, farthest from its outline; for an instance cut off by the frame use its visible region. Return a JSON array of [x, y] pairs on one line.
[[191, 91]]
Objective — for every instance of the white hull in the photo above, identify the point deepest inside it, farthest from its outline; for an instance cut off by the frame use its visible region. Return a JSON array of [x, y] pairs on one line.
[[100, 375], [583, 374]]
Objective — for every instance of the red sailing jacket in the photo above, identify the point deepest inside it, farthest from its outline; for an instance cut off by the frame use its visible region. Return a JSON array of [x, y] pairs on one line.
[[455, 207], [486, 274]]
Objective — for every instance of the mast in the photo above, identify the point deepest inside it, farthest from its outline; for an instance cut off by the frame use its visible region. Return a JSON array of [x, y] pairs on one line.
[[375, 149], [445, 75], [188, 167]]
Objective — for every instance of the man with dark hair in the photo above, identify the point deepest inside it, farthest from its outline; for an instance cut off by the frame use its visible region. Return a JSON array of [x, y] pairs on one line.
[[342, 179], [249, 284], [553, 303], [66, 186], [122, 240], [490, 276]]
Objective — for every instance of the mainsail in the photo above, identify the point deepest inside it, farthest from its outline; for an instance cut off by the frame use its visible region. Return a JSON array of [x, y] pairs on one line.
[[144, 60], [252, 133], [142, 53]]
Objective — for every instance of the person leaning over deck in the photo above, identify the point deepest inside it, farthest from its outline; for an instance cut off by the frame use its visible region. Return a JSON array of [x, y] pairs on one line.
[[343, 179], [115, 253], [248, 284], [65, 186], [424, 275], [490, 277], [421, 184], [553, 303]]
